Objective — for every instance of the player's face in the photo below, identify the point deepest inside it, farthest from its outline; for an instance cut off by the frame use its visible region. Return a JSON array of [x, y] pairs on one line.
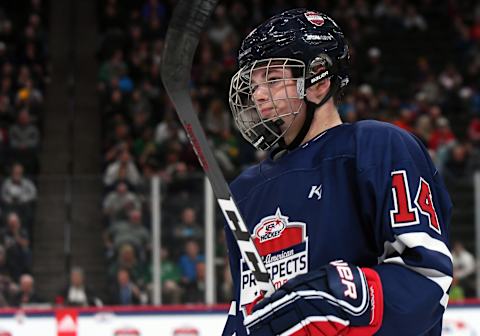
[[275, 94]]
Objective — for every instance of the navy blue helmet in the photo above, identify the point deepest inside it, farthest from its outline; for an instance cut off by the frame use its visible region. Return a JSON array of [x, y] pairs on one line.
[[299, 34]]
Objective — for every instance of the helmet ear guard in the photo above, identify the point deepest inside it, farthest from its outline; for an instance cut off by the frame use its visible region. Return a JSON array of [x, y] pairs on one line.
[[323, 67], [319, 69]]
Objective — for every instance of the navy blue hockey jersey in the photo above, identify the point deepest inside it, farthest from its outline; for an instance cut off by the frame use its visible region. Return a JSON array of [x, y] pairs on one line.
[[366, 193]]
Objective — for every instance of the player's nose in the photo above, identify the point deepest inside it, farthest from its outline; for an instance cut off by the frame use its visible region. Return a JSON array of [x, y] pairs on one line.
[[261, 94], [262, 99]]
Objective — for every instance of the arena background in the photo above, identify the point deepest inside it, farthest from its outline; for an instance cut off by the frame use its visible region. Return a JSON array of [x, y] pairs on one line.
[[99, 187]]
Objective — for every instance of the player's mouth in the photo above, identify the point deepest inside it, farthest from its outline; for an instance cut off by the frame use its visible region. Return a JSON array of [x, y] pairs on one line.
[[269, 112]]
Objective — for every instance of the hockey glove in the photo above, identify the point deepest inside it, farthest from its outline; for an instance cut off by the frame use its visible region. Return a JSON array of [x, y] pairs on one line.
[[337, 299]]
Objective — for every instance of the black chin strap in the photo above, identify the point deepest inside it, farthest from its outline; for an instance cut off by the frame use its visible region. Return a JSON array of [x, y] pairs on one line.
[[304, 130], [310, 112]]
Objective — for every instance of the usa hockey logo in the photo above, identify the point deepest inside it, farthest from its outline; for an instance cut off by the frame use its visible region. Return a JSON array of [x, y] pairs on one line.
[[271, 227], [283, 246], [276, 233], [315, 18]]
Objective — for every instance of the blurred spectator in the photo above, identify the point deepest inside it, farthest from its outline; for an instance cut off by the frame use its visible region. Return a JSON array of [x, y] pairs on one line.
[[167, 129], [118, 203], [18, 194], [217, 125], [405, 120], [474, 131], [17, 188], [115, 109], [153, 9], [145, 148], [450, 79], [114, 67], [140, 121], [7, 114], [122, 170], [197, 294], [175, 170], [115, 150], [26, 294], [464, 268], [128, 232], [423, 128], [221, 28], [111, 17], [217, 119], [442, 134], [77, 293], [128, 261], [430, 89], [413, 20], [435, 113], [139, 102], [25, 141], [188, 267], [170, 277], [188, 228], [374, 73], [17, 244], [124, 291], [29, 96], [457, 165]]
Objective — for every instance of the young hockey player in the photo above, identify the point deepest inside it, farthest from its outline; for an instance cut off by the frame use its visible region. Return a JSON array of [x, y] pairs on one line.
[[351, 220]]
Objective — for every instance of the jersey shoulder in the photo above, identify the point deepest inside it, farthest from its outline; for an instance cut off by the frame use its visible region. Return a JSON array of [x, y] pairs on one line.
[[245, 181], [374, 128], [378, 141]]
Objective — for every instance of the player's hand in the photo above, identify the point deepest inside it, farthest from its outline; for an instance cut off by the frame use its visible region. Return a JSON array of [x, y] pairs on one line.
[[337, 299]]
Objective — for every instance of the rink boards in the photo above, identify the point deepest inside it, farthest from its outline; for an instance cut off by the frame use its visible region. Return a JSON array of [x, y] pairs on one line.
[[459, 320]]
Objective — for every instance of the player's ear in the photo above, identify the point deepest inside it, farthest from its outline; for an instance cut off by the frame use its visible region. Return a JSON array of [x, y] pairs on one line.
[[316, 92]]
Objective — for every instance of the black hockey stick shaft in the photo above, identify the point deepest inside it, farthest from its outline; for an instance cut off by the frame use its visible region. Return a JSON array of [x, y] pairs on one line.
[[189, 19]]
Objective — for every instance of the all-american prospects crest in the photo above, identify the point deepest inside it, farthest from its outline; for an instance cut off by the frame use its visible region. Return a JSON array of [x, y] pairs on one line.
[[283, 246]]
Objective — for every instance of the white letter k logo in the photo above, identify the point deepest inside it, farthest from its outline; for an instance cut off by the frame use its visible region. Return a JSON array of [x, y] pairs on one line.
[[317, 191]]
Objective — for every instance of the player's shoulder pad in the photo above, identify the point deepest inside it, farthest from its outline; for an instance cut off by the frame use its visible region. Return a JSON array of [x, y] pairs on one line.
[[378, 141], [375, 127]]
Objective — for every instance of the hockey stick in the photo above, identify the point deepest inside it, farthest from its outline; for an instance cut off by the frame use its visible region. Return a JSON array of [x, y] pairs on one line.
[[189, 18]]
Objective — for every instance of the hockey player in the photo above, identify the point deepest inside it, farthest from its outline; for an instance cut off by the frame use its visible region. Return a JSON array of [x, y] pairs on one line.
[[351, 220]]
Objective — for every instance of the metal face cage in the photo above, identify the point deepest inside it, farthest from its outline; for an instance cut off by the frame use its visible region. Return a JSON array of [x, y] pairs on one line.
[[262, 101]]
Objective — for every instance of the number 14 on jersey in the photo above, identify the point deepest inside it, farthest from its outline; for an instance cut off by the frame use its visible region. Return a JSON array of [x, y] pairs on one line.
[[405, 209]]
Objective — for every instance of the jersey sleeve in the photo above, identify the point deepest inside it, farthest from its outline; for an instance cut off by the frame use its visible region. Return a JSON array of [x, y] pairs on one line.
[[404, 197]]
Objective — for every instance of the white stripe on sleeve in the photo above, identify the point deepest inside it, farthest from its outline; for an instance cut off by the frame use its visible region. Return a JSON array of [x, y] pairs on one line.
[[422, 239]]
